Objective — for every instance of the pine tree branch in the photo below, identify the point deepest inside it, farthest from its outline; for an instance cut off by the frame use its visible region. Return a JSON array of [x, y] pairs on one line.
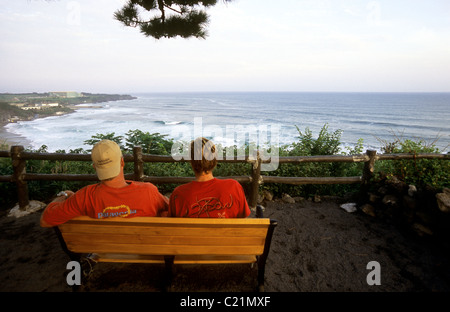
[[188, 22], [161, 8], [170, 8]]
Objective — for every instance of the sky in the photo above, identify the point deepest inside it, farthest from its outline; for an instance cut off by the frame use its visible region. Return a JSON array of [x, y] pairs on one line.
[[252, 45]]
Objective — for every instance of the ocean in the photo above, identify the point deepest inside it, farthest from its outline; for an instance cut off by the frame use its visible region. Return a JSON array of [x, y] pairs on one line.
[[236, 117]]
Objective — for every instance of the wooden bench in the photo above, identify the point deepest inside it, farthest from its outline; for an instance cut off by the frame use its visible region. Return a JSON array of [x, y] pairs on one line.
[[169, 241]]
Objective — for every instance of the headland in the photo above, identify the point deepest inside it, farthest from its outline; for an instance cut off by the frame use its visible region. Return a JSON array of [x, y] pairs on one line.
[[15, 107]]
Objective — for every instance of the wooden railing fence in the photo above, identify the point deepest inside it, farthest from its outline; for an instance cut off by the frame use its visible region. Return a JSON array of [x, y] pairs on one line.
[[20, 177]]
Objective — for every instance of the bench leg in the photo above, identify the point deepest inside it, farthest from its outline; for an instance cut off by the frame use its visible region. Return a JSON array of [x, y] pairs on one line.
[[261, 271], [168, 273], [262, 259]]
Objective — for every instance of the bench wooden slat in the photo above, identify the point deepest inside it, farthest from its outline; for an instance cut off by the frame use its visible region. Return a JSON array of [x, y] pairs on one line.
[[168, 220], [126, 258], [219, 231], [162, 240], [95, 247], [188, 259]]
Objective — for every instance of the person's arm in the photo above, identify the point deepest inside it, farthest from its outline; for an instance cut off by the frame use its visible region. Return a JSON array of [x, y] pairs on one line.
[[44, 224], [165, 210], [244, 209], [172, 211], [54, 205]]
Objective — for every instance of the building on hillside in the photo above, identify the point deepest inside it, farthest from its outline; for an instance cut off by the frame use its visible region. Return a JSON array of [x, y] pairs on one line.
[[18, 104], [35, 106], [40, 106], [45, 105], [65, 94]]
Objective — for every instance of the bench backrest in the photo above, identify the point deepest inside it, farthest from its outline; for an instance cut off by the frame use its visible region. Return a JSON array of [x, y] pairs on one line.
[[166, 236]]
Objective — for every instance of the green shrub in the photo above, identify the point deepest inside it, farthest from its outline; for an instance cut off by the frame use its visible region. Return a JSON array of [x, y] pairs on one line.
[[326, 143], [45, 190], [419, 172]]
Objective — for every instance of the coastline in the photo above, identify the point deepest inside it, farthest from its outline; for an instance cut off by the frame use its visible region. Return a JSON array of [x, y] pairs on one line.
[[9, 139], [374, 131], [88, 100]]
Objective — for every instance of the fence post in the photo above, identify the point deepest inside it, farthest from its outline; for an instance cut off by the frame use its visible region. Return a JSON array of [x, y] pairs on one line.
[[138, 163], [19, 169], [368, 172], [369, 167], [256, 177]]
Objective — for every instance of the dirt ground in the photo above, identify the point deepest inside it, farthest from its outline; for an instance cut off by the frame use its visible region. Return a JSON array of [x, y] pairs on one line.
[[317, 247]]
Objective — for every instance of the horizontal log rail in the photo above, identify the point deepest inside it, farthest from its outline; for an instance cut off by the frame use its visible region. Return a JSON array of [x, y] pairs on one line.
[[325, 158], [312, 180], [20, 177]]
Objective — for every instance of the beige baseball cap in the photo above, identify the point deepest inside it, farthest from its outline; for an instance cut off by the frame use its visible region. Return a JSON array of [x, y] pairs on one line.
[[106, 156]]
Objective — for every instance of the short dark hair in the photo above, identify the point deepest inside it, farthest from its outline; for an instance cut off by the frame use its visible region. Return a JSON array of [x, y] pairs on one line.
[[207, 150]]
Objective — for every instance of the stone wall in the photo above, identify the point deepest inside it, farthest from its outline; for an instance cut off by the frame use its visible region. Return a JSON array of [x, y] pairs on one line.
[[424, 210]]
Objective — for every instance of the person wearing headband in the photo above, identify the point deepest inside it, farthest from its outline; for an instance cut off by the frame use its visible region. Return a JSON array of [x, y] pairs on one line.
[[207, 196]]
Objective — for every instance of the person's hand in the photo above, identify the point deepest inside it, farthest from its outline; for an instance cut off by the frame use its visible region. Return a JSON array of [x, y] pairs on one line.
[[63, 195], [69, 193]]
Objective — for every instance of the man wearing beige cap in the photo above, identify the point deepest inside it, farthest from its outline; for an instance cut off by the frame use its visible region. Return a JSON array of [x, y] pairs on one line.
[[112, 197]]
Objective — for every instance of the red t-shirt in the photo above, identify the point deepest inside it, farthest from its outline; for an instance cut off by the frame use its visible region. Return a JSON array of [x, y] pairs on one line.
[[98, 201], [215, 198]]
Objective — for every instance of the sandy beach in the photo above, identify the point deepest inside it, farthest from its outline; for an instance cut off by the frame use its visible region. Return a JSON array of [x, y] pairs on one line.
[[317, 247], [8, 138]]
